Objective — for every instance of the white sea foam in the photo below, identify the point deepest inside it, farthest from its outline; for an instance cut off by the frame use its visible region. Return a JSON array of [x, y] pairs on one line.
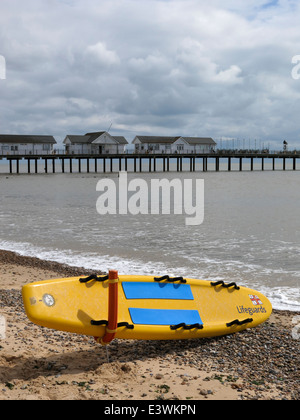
[[282, 298]]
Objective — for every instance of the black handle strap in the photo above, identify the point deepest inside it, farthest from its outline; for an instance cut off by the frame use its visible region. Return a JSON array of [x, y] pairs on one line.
[[186, 327], [227, 286], [104, 323], [126, 324], [93, 277], [170, 279], [99, 323], [237, 322]]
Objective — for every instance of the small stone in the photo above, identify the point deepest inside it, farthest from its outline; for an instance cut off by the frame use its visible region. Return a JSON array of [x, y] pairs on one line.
[[126, 368]]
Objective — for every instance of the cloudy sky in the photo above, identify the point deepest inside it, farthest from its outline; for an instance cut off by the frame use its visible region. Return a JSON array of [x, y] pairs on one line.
[[221, 68]]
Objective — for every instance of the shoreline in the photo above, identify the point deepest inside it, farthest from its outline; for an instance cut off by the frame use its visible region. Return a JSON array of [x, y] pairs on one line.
[[13, 258], [37, 363]]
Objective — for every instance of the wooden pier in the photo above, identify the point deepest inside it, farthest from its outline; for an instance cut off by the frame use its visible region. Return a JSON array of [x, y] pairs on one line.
[[149, 162]]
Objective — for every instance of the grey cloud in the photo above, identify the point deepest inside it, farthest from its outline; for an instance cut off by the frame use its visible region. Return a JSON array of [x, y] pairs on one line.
[[150, 66]]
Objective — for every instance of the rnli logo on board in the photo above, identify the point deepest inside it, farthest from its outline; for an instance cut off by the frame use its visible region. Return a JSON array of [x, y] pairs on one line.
[[255, 300]]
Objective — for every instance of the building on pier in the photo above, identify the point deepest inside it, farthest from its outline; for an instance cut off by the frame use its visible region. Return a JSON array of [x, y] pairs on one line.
[[171, 145], [99, 143], [26, 145]]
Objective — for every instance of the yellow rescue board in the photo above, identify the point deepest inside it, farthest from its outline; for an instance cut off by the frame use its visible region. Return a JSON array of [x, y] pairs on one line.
[[165, 309]]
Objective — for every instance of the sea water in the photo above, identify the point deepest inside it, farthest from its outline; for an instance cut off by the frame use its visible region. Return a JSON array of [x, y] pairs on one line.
[[250, 234]]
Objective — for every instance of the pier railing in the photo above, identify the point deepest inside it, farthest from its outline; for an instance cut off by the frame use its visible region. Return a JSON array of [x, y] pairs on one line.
[[219, 152], [213, 161]]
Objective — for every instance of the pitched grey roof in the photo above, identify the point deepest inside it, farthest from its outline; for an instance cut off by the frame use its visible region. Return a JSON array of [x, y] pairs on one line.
[[157, 139], [171, 140], [22, 139], [88, 138], [94, 136], [79, 139], [121, 139]]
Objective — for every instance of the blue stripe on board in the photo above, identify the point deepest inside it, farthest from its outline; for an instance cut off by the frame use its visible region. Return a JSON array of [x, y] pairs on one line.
[[169, 291], [164, 316]]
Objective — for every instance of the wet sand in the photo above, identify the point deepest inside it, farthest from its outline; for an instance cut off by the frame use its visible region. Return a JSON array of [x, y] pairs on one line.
[[41, 364]]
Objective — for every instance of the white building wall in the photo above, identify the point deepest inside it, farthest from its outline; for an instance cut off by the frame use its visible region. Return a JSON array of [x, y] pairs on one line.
[[95, 148], [7, 149], [179, 147]]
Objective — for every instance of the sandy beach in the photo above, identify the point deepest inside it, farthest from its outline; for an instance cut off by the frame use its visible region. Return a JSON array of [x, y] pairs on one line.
[[41, 364]]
